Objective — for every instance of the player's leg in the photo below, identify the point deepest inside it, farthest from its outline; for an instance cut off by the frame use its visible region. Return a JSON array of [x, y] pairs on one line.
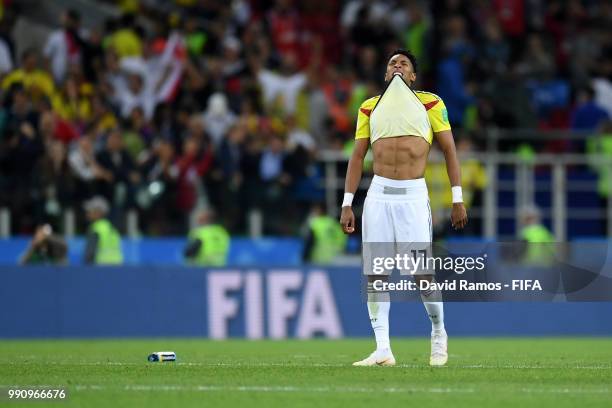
[[378, 309], [432, 300], [377, 237], [414, 232]]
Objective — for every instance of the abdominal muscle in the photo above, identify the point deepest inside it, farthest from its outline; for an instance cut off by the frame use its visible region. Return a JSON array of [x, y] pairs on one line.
[[400, 157]]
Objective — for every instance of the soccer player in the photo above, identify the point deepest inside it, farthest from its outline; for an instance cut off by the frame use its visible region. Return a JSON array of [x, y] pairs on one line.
[[400, 125]]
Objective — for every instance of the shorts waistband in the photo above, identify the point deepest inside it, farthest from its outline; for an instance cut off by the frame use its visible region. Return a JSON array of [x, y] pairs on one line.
[[389, 189], [414, 183]]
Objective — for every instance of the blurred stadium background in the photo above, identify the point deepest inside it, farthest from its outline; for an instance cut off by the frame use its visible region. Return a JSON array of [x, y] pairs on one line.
[[165, 110]]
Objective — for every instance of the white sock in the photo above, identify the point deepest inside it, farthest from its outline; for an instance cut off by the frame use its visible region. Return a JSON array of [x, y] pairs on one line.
[[435, 311], [379, 317]]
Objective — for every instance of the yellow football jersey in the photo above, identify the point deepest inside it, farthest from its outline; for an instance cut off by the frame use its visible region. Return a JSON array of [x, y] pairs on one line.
[[401, 111]]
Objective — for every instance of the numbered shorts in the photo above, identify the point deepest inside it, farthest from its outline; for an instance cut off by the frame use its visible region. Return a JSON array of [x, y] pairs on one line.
[[396, 223]]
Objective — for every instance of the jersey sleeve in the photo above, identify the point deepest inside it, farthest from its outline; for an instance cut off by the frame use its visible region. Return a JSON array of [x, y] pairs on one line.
[[438, 117], [436, 111], [363, 119]]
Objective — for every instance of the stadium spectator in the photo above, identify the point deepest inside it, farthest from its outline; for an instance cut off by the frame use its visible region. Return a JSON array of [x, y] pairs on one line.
[[495, 50], [601, 145], [149, 81], [511, 15], [226, 180], [281, 90], [298, 137], [274, 178], [72, 102], [192, 165], [22, 147], [324, 239], [45, 248], [209, 243], [53, 183], [126, 40], [157, 196], [103, 119], [366, 23], [271, 165], [533, 231], [451, 71], [89, 173], [317, 111], [218, 118], [284, 24], [250, 169], [103, 245], [337, 89], [536, 237], [417, 32], [37, 82], [587, 114], [506, 103], [368, 65], [117, 162], [138, 133], [234, 70], [195, 37], [63, 47], [537, 61]]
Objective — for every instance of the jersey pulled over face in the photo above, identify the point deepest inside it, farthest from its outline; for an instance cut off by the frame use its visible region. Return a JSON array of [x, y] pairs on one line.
[[400, 111]]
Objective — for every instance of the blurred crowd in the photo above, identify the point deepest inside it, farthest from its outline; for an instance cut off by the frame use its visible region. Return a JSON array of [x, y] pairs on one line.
[[173, 106]]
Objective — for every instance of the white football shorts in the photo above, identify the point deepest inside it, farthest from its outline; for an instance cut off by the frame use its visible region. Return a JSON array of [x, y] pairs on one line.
[[396, 223]]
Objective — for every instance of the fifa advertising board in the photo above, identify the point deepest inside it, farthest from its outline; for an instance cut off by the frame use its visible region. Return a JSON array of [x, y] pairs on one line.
[[276, 302]]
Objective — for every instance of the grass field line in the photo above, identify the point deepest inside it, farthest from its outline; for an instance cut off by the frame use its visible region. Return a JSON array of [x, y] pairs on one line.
[[315, 365], [305, 389]]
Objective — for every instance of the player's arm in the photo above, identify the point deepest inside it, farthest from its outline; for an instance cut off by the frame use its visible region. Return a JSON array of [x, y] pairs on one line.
[[447, 145], [353, 177]]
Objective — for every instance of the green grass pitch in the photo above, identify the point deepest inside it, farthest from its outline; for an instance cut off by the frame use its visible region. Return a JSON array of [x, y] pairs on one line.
[[513, 372]]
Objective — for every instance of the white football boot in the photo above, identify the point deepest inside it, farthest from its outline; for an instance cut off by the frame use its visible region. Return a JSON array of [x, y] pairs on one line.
[[439, 348], [377, 358]]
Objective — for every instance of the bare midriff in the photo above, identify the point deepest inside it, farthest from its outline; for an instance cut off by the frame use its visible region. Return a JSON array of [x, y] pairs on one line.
[[400, 157]]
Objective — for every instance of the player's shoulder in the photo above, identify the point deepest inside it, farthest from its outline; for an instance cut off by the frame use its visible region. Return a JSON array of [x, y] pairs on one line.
[[368, 105], [370, 102], [426, 97]]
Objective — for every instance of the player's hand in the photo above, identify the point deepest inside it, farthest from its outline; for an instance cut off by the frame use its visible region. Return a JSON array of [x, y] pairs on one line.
[[347, 220], [458, 216]]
